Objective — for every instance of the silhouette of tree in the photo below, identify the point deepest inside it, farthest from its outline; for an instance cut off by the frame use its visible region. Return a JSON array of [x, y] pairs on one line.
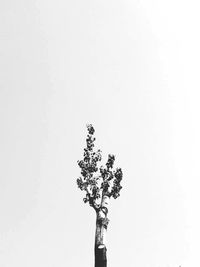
[[100, 183]]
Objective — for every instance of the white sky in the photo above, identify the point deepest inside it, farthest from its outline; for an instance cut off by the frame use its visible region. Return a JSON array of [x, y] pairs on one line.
[[132, 69]]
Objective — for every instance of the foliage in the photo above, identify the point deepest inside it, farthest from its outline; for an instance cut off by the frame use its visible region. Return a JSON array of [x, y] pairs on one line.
[[97, 181]]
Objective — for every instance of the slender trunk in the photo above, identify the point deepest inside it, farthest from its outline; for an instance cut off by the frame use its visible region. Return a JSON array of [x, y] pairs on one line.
[[100, 235]]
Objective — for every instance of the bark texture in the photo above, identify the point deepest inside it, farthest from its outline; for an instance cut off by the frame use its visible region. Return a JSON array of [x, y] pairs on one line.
[[100, 235]]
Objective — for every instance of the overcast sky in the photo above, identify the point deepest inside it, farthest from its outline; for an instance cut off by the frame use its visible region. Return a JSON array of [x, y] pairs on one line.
[[131, 68]]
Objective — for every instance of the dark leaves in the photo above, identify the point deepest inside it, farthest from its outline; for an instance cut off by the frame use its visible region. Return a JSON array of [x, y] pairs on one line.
[[90, 129], [80, 183], [116, 183], [97, 181], [110, 162]]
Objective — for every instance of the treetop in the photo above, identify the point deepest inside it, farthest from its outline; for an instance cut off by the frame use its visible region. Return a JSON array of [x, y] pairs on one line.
[[97, 180]]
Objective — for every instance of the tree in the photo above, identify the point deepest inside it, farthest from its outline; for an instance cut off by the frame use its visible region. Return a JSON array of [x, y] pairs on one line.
[[100, 183]]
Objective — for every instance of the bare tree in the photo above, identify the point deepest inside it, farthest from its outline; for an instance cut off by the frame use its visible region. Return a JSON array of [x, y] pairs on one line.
[[100, 183]]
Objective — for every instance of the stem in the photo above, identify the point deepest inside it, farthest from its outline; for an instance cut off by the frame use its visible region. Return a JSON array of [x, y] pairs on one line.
[[100, 235]]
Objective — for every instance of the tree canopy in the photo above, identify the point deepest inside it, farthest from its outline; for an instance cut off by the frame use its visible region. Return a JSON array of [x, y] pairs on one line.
[[98, 180]]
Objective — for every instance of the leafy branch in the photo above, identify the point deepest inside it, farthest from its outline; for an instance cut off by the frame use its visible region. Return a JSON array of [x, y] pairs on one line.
[[97, 181]]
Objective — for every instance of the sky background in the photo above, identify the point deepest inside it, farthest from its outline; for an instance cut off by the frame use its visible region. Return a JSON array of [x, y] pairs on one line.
[[131, 68]]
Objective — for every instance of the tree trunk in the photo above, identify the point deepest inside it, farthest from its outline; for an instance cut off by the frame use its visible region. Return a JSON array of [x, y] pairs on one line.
[[100, 236]]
